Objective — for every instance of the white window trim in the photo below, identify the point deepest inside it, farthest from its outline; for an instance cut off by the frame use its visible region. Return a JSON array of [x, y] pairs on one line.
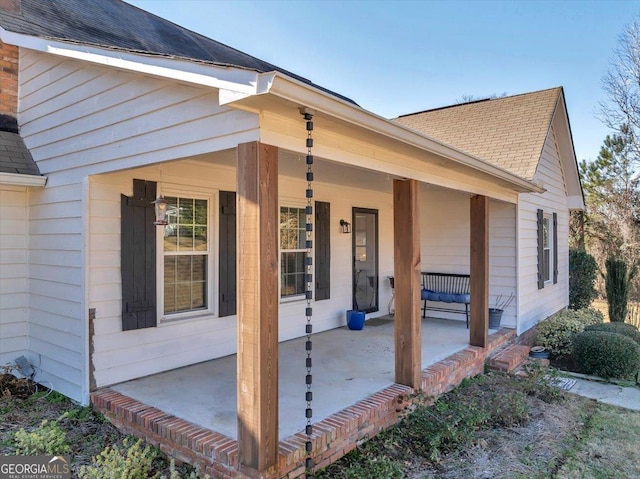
[[212, 248], [293, 203]]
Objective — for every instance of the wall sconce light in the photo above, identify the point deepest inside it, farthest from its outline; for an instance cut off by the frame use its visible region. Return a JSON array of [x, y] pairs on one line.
[[345, 226], [161, 211]]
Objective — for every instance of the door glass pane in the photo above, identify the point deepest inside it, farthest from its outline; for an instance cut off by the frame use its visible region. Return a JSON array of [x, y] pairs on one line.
[[365, 260]]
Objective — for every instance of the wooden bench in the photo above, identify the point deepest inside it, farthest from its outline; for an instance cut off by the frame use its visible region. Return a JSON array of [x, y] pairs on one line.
[[445, 288]]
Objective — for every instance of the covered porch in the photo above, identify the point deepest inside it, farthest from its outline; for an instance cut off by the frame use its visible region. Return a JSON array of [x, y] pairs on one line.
[[253, 400], [191, 412], [348, 367]]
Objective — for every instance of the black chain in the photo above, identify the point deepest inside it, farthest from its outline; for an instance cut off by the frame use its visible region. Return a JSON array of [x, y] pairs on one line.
[[309, 465]]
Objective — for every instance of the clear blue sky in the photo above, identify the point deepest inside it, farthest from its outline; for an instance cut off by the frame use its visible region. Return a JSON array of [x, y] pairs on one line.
[[405, 56]]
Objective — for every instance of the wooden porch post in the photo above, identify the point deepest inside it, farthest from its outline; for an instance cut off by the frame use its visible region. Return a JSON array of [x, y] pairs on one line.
[[479, 283], [406, 243], [257, 226]]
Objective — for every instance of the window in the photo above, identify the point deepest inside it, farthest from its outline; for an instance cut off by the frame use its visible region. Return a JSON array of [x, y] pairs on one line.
[[292, 251], [546, 246], [186, 255]]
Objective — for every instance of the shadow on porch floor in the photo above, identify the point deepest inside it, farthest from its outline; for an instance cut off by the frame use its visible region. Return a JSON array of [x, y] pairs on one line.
[[348, 366]]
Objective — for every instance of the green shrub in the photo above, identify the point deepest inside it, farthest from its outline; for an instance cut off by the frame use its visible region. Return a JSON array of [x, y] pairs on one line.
[[617, 282], [556, 332], [582, 277], [367, 468], [48, 438], [621, 328], [605, 354], [455, 419], [540, 381], [174, 473], [130, 461]]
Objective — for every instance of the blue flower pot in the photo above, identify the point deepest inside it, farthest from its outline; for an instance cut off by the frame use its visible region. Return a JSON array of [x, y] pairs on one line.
[[355, 319]]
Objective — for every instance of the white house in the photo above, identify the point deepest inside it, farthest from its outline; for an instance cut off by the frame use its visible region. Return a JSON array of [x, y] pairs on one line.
[[118, 107]]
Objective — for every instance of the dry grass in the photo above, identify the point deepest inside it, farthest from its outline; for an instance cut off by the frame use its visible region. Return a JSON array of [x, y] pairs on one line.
[[633, 315], [601, 306], [611, 448], [573, 438], [533, 450]]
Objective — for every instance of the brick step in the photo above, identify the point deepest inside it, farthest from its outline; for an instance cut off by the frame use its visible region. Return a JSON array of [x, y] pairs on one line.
[[508, 358]]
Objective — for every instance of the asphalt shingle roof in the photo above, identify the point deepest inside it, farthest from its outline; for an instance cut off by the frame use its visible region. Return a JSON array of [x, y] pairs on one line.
[[116, 24], [507, 132], [14, 156]]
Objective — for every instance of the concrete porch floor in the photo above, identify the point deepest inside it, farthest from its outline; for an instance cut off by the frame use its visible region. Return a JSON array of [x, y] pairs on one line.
[[347, 367]]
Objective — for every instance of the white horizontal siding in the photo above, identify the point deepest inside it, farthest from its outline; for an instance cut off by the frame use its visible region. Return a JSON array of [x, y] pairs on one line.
[[83, 119], [13, 273], [445, 247], [503, 259], [537, 304], [80, 119], [444, 225], [56, 292], [119, 356]]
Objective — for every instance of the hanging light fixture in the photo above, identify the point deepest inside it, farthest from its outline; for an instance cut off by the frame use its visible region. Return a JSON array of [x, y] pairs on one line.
[[161, 211], [345, 226]]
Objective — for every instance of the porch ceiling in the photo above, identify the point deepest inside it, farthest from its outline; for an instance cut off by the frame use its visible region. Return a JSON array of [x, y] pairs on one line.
[[348, 366]]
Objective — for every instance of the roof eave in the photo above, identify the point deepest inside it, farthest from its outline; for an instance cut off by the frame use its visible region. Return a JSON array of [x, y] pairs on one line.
[[282, 86], [580, 202], [236, 84], [19, 179], [235, 79]]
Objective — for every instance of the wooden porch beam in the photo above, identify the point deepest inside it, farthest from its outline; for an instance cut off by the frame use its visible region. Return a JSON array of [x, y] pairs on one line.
[[406, 243], [479, 283], [257, 226]]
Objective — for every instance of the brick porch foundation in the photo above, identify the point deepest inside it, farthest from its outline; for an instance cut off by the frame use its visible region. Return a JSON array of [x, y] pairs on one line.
[[333, 437]]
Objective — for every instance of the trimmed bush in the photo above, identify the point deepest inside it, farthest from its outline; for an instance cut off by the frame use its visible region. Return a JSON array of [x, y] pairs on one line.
[[605, 354], [582, 277], [625, 329], [556, 332]]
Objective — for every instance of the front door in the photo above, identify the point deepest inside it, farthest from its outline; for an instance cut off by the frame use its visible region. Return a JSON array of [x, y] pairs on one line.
[[365, 259]]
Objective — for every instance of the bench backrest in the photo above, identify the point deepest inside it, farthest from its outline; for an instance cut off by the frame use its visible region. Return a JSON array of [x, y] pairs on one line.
[[446, 282]]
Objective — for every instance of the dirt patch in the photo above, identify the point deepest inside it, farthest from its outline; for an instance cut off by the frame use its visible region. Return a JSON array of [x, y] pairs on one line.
[[494, 426], [523, 451], [24, 405], [500, 426]]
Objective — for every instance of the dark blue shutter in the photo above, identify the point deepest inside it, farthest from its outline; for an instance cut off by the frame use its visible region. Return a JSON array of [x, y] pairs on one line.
[[323, 250], [540, 249], [555, 248], [138, 256], [227, 253]]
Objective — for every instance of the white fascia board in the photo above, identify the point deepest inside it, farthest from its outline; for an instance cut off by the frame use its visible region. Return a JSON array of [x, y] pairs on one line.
[[16, 179], [305, 95], [229, 78], [263, 84], [575, 203]]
